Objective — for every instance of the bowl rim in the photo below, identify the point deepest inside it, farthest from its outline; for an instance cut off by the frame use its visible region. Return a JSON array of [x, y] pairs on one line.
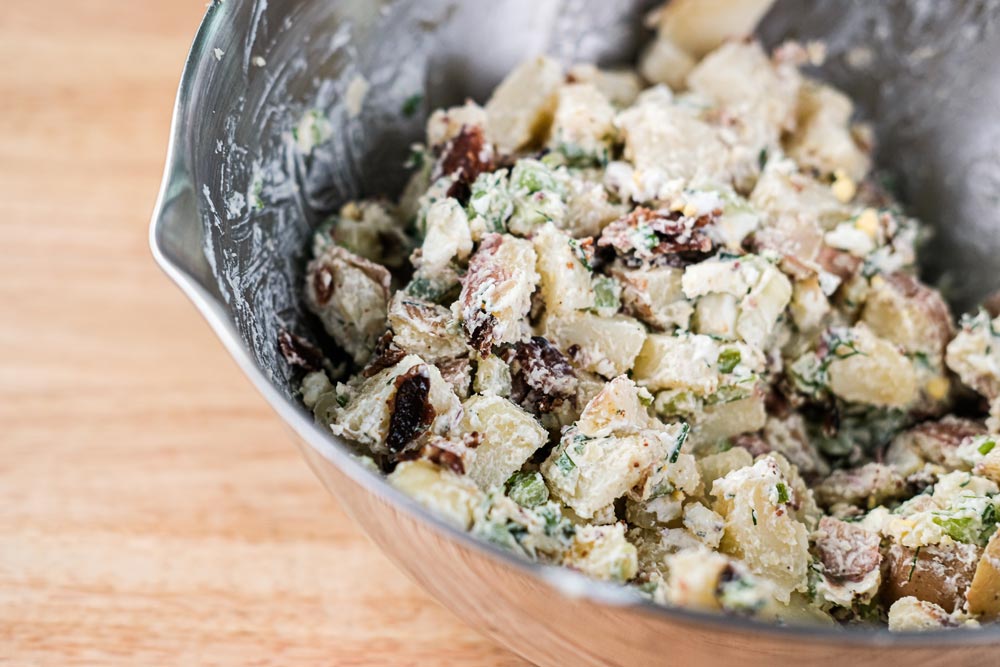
[[566, 582]]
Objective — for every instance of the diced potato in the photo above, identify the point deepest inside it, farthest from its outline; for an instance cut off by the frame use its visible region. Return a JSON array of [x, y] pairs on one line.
[[620, 86], [974, 354], [740, 77], [492, 376], [699, 26], [910, 614], [984, 592], [799, 200], [670, 149], [871, 370], [654, 295], [761, 289], [588, 208], [704, 524], [717, 466], [823, 139], [728, 418], [617, 409], [939, 574], [603, 552], [707, 580], [425, 329], [809, 306], [496, 292], [520, 110], [681, 361], [450, 496], [445, 124], [446, 235], [508, 438], [665, 62], [614, 447], [715, 315], [583, 123], [565, 282], [366, 415], [909, 314], [604, 345], [761, 528], [366, 228], [350, 295]]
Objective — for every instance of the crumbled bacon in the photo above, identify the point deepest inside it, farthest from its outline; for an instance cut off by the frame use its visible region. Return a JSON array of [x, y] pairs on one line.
[[299, 352], [464, 157], [658, 237], [847, 551], [412, 412], [542, 378]]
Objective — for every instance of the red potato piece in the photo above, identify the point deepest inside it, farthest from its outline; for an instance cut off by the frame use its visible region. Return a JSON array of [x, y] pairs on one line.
[[939, 574], [847, 551], [984, 593]]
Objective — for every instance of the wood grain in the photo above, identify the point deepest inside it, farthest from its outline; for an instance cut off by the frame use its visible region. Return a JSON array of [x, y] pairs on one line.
[[152, 509]]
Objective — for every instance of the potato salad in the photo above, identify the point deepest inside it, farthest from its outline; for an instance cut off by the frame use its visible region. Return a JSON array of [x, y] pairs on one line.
[[663, 326]]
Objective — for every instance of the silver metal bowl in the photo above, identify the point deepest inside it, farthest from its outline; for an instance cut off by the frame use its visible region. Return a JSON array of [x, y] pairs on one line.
[[238, 201]]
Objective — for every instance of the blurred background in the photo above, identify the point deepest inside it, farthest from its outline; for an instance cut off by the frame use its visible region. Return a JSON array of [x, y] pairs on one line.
[[152, 509]]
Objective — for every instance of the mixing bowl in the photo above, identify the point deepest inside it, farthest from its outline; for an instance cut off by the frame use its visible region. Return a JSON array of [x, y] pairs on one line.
[[240, 197]]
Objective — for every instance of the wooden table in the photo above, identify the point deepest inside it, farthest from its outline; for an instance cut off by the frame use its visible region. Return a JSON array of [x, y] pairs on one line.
[[152, 508]]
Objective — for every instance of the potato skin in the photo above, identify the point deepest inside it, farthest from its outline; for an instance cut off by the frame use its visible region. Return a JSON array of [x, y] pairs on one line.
[[937, 573], [984, 593]]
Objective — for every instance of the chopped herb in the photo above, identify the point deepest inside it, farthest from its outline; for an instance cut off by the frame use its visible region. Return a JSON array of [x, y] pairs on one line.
[[565, 463], [782, 493], [681, 438], [412, 104], [581, 254], [913, 565], [342, 400], [762, 158], [728, 360], [753, 515], [664, 488], [987, 447], [416, 157]]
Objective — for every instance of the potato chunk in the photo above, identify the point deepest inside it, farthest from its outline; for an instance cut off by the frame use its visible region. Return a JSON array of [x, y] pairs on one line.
[[350, 295], [520, 110], [508, 437], [565, 282], [496, 292], [450, 496], [607, 346], [761, 528], [824, 139], [615, 447], [869, 369], [367, 415], [984, 592]]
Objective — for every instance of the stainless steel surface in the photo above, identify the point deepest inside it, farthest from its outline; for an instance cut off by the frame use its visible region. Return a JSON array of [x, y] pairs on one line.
[[238, 202]]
